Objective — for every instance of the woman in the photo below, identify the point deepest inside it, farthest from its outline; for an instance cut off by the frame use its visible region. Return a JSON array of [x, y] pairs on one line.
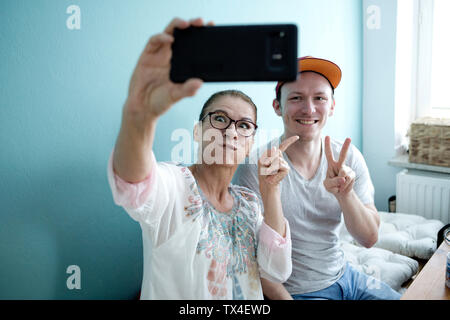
[[203, 237]]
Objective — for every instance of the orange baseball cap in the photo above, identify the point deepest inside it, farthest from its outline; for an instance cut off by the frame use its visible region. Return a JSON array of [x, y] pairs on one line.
[[326, 68]]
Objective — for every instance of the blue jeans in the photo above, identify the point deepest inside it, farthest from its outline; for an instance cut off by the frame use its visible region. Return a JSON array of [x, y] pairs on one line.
[[353, 285]]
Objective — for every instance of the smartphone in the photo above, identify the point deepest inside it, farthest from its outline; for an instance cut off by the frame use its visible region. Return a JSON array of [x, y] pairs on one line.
[[235, 53]]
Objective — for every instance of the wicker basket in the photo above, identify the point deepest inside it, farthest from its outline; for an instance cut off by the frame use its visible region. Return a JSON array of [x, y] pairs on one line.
[[429, 141]]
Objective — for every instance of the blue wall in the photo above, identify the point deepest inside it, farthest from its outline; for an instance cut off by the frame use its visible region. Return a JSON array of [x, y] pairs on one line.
[[61, 94], [379, 53]]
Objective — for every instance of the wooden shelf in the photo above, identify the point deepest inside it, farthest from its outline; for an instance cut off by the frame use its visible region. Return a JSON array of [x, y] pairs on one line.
[[430, 282]]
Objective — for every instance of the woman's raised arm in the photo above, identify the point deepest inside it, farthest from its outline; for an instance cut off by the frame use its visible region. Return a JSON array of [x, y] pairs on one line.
[[150, 94]]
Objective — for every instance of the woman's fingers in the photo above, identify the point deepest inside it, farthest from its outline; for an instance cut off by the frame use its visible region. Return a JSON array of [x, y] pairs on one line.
[[167, 36], [176, 23], [268, 159], [274, 152], [186, 89], [288, 142], [157, 41], [182, 24], [197, 22], [278, 173], [273, 165]]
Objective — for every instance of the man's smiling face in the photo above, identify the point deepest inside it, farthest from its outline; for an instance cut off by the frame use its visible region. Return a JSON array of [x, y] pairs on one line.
[[305, 105]]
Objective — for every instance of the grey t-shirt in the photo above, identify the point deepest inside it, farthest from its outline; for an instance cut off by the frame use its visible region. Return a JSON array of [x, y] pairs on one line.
[[314, 216]]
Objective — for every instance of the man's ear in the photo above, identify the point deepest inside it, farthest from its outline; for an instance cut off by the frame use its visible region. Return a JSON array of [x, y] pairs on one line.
[[331, 112], [277, 107]]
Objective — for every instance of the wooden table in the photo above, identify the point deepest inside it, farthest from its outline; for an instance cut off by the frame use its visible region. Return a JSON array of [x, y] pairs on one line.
[[430, 282]]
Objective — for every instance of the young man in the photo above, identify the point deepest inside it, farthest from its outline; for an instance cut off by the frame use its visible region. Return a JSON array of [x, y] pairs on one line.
[[328, 181]]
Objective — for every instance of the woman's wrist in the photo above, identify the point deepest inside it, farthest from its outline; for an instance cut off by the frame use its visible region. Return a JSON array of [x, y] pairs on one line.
[[135, 116], [267, 190]]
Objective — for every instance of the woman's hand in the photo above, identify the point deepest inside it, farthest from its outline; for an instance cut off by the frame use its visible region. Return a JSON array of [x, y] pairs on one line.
[[272, 167], [151, 92]]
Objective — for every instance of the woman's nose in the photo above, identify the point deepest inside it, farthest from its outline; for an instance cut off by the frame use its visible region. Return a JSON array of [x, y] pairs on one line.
[[231, 131]]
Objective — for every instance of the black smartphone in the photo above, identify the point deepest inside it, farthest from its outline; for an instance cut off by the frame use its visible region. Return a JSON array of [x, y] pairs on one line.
[[235, 53]]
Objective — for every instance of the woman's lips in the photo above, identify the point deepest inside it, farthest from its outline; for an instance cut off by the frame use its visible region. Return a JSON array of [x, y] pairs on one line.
[[227, 146]]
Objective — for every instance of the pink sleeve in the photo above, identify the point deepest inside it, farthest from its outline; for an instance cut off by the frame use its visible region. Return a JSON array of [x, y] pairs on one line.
[[272, 239], [130, 195], [274, 253]]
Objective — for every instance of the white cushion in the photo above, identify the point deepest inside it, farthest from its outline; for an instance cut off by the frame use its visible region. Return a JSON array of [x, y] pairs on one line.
[[406, 234], [391, 268]]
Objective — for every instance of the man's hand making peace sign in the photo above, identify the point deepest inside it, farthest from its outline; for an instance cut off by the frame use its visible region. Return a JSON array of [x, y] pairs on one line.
[[362, 221], [340, 178]]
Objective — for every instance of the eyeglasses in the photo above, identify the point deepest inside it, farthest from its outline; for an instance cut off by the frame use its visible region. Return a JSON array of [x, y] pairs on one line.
[[221, 121]]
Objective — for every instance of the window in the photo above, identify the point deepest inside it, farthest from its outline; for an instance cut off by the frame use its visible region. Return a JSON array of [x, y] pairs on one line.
[[422, 63], [440, 65], [433, 50]]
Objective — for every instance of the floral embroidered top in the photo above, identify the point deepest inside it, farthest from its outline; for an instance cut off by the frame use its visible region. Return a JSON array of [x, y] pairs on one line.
[[191, 250]]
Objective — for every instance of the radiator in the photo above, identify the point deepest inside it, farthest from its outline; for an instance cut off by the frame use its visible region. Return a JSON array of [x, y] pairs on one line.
[[424, 193]]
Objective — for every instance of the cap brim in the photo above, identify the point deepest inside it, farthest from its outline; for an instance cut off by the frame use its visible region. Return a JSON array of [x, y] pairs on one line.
[[328, 69]]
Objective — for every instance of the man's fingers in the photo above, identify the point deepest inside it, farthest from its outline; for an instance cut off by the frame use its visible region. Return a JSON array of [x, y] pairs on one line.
[[287, 143], [346, 171], [343, 187], [342, 173], [344, 150], [335, 182], [348, 187], [328, 152]]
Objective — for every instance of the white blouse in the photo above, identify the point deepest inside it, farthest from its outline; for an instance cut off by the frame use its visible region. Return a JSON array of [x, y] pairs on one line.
[[191, 250]]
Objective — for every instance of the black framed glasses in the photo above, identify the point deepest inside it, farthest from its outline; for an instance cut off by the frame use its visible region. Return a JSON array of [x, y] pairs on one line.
[[221, 121]]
